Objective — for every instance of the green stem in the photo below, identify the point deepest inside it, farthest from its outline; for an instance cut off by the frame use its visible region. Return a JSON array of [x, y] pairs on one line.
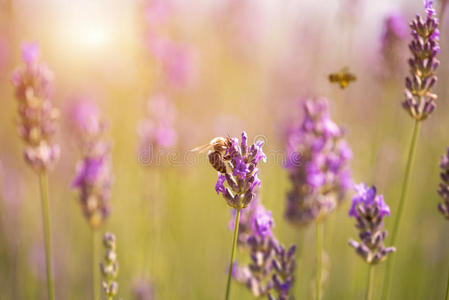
[[234, 244], [299, 260], [397, 221], [369, 287], [319, 256], [447, 289], [43, 182], [95, 268]]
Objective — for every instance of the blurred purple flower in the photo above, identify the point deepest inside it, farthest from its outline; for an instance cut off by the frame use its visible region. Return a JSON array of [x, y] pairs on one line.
[[37, 122], [262, 221], [179, 64], [157, 12], [443, 189], [317, 163], [143, 289], [177, 60], [94, 172], [84, 116], [271, 268], [393, 47], [156, 131]]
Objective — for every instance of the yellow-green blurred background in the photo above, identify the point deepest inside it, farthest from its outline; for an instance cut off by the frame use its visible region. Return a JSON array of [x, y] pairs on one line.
[[250, 61]]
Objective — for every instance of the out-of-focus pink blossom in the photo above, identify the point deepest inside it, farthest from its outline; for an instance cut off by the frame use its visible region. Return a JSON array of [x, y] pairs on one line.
[[178, 60], [393, 46], [157, 12], [84, 115], [30, 52], [37, 125], [93, 176], [156, 131]]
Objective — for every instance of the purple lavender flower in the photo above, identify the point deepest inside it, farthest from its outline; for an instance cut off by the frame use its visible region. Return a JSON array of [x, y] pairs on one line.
[[317, 163], [270, 270], [83, 116], [284, 268], [262, 222], [94, 175], [420, 101], [369, 210], [443, 189], [237, 165], [37, 125], [156, 131]]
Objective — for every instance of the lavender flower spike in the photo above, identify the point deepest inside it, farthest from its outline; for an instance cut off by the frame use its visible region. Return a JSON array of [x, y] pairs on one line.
[[94, 175], [443, 189], [317, 163], [237, 166], [369, 210], [109, 268], [37, 122], [271, 267], [420, 101]]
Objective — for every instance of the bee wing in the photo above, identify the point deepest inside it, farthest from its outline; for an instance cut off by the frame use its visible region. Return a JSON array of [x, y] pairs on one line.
[[202, 148]]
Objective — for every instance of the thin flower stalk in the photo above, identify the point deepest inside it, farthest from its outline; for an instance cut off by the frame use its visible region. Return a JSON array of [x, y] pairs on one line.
[[369, 289], [236, 163], [419, 102], [93, 177], [37, 125], [447, 289], [369, 210], [318, 166], [319, 259]]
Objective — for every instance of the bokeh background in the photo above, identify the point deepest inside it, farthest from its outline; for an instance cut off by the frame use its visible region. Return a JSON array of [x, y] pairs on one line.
[[229, 65]]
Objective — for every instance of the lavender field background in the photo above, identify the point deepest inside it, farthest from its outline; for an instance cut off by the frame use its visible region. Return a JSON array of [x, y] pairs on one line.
[[219, 67]]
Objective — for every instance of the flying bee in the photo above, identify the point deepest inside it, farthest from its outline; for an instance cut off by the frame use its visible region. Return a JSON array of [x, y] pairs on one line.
[[216, 152], [343, 77]]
